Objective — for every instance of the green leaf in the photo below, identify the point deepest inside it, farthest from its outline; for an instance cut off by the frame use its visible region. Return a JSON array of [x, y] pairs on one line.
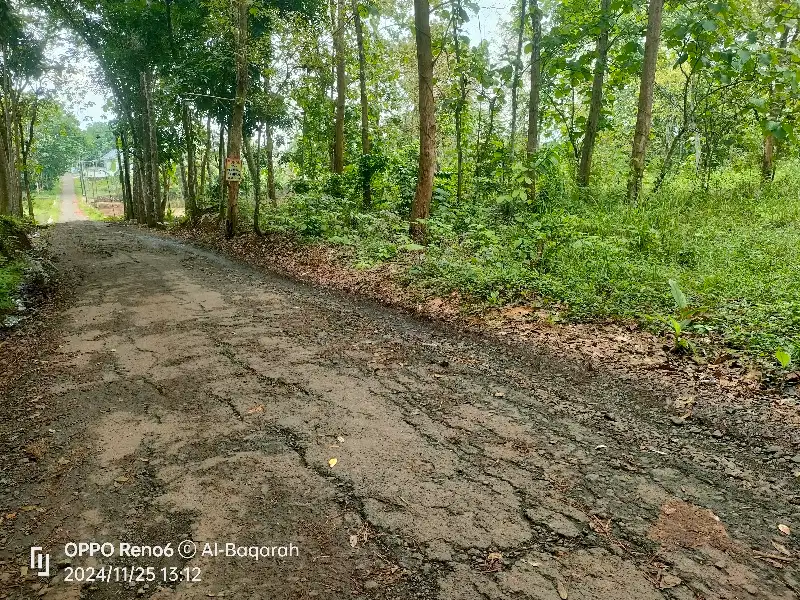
[[783, 357], [708, 25], [677, 294]]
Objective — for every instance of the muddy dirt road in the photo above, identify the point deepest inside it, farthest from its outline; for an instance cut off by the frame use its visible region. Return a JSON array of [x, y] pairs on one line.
[[185, 397]]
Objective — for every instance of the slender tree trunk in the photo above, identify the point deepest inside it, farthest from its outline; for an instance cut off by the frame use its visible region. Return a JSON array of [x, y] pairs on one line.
[[662, 175], [698, 148], [25, 142], [120, 172], [237, 120], [270, 168], [533, 101], [126, 170], [191, 166], [462, 97], [146, 162], [338, 48], [596, 102], [515, 80], [184, 183], [165, 188], [223, 185], [768, 155], [254, 166], [366, 169], [5, 175], [153, 197], [205, 165], [140, 192], [644, 114], [421, 205]]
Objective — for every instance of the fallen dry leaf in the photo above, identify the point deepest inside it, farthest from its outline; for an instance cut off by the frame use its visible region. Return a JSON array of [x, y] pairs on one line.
[[494, 556], [669, 581], [332, 462], [121, 479], [256, 409], [353, 541], [781, 548], [784, 529], [562, 590]]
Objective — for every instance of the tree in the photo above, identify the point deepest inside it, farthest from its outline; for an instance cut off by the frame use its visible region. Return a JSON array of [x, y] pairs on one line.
[[644, 114], [535, 92], [341, 89], [596, 102], [516, 77], [235, 136], [421, 206], [366, 170]]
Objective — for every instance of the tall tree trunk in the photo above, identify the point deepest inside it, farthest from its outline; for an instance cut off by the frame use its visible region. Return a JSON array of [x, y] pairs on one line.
[[644, 114], [165, 188], [223, 185], [515, 80], [768, 155], [268, 143], [139, 191], [237, 120], [184, 183], [421, 205], [152, 184], [205, 164], [254, 167], [462, 98], [120, 172], [366, 169], [191, 166], [5, 175], [126, 170], [338, 48], [596, 102], [533, 101], [25, 142], [146, 164]]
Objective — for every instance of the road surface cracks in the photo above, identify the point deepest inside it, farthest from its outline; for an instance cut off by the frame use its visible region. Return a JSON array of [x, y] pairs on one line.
[[183, 396]]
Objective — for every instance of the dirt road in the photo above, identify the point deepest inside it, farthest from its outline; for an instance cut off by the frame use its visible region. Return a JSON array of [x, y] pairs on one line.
[[70, 210], [185, 397]]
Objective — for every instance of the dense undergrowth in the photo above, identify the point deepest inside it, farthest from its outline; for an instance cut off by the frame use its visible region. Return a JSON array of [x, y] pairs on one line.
[[13, 243], [734, 251]]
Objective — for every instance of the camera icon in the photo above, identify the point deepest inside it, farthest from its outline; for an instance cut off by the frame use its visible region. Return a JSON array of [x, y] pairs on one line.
[[40, 561]]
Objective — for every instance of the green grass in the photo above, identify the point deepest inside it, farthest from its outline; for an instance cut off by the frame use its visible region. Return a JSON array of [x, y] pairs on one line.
[[47, 205], [735, 252], [90, 211], [10, 276]]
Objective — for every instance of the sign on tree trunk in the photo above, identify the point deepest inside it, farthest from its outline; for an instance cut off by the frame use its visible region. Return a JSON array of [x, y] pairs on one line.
[[233, 169]]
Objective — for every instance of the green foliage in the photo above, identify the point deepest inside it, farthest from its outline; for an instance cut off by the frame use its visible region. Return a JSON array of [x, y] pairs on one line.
[[735, 251], [10, 276], [784, 358]]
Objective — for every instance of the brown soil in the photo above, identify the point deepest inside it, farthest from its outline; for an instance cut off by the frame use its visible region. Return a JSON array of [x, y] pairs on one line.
[[180, 395]]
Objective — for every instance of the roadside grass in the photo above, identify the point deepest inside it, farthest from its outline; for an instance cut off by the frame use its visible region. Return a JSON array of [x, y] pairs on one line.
[[47, 205], [734, 251], [90, 211], [10, 276]]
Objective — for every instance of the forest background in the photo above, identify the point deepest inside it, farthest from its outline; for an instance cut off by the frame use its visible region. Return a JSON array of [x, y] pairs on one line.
[[596, 160]]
